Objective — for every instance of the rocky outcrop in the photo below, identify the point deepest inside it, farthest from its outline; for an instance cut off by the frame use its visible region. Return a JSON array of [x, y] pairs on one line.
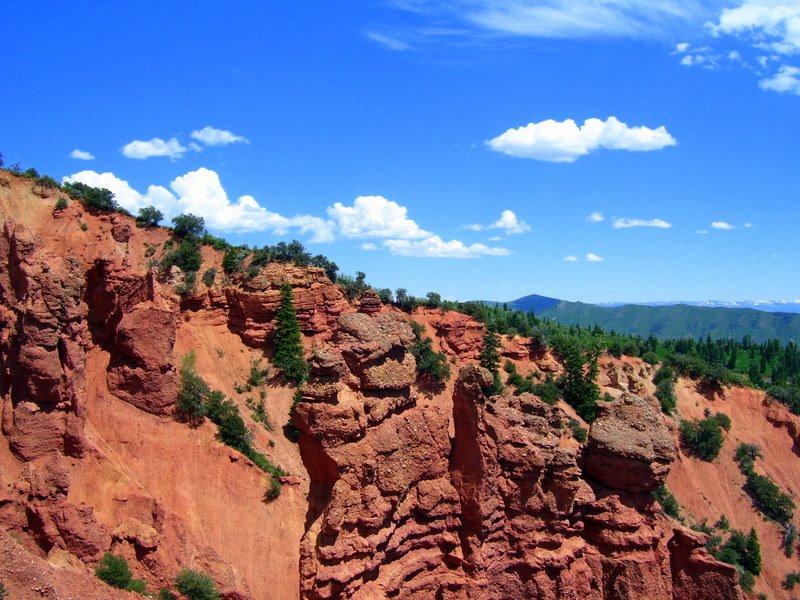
[[42, 347], [458, 334], [630, 447]]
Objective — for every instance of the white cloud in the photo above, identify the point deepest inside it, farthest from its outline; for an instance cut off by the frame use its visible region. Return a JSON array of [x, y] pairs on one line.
[[211, 136], [594, 257], [375, 216], [748, 225], [682, 47], [509, 222], [596, 217], [772, 24], [565, 141], [722, 225], [474, 227], [626, 223], [387, 41], [139, 149], [787, 79], [577, 18], [702, 231], [81, 155], [495, 238], [201, 193], [570, 259], [435, 247]]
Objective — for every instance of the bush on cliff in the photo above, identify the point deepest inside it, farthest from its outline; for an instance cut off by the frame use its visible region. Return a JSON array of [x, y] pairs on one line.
[[190, 406], [704, 438], [765, 493], [149, 216], [196, 585], [431, 365], [114, 571]]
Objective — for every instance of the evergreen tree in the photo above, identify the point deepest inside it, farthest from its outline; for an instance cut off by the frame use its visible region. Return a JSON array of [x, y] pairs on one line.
[[287, 341], [490, 360], [752, 555]]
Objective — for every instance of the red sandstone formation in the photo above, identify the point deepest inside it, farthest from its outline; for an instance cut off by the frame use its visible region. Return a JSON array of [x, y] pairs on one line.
[[404, 494]]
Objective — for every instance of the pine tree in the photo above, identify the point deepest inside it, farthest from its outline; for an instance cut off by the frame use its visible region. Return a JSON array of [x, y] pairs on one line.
[[490, 360], [287, 341], [752, 556]]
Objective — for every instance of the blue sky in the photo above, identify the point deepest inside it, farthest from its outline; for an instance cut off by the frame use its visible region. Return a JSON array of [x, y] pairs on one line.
[[458, 146]]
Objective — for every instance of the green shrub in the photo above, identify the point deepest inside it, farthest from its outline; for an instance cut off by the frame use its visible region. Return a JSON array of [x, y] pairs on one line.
[[114, 571], [3, 591], [233, 259], [196, 585], [431, 365], [665, 373], [578, 432], [186, 256], [765, 493], [665, 392], [789, 540], [791, 580], [189, 226], [97, 198], [190, 404], [61, 204], [149, 216], [257, 375], [704, 438], [217, 243], [668, 502], [209, 275], [165, 594], [187, 286], [274, 489]]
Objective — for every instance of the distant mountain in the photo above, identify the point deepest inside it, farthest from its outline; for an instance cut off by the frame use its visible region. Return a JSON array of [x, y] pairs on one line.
[[786, 306], [679, 320], [534, 303]]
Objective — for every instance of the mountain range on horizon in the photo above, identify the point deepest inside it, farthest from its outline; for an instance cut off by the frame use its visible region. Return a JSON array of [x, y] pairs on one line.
[[760, 320]]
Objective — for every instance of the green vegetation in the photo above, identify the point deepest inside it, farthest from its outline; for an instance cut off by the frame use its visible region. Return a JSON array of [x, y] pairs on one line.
[[581, 434], [209, 275], [704, 438], [792, 579], [578, 386], [789, 540], [91, 197], [490, 360], [287, 342], [258, 375], [196, 400], [187, 286], [186, 256], [166, 594], [765, 493], [114, 571], [196, 585], [547, 390], [189, 226], [668, 502], [432, 366], [4, 593], [665, 389], [742, 551], [61, 204], [149, 216]]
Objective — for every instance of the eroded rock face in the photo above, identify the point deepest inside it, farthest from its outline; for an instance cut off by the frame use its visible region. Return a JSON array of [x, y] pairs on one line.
[[459, 335], [500, 511], [630, 447]]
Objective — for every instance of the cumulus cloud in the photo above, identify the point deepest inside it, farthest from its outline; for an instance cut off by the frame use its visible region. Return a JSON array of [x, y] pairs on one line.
[[596, 217], [375, 216], [771, 24], [626, 223], [81, 155], [593, 257], [570, 258], [141, 150], [565, 141], [722, 225], [787, 79], [434, 247], [509, 223], [210, 136], [201, 193]]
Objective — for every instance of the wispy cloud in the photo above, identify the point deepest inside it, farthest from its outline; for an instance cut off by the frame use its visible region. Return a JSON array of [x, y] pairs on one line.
[[626, 223], [596, 217], [81, 155], [787, 79], [435, 247], [570, 258], [210, 136], [141, 149], [723, 225], [565, 141], [387, 41], [591, 257]]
